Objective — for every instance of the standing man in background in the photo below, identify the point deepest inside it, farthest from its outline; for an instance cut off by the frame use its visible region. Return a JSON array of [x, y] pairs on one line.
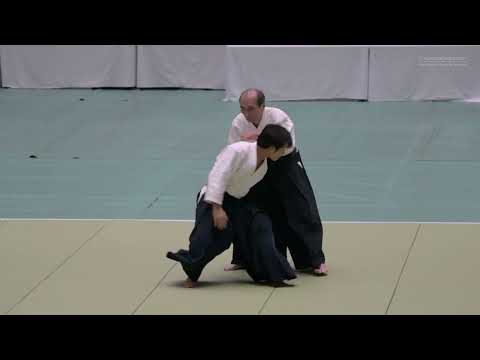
[[285, 192]]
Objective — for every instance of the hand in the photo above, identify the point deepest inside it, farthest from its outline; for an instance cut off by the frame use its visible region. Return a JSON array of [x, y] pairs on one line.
[[220, 218], [249, 136]]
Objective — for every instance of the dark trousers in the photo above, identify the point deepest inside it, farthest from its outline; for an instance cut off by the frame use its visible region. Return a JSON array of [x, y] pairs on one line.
[[249, 228], [286, 194]]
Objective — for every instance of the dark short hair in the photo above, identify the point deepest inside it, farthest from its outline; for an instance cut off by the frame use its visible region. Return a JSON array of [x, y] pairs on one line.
[[259, 93], [274, 135]]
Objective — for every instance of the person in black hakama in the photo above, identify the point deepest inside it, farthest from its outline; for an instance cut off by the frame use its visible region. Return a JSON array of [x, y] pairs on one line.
[[224, 214], [285, 192]]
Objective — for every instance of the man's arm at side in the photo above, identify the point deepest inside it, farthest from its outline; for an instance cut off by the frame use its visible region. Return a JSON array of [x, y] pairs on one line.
[[226, 164]]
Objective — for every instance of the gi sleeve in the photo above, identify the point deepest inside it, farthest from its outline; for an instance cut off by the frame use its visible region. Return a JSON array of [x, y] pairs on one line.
[[234, 135], [226, 164]]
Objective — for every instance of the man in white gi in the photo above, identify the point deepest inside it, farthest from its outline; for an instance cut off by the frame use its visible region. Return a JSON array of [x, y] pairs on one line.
[[285, 192], [222, 213]]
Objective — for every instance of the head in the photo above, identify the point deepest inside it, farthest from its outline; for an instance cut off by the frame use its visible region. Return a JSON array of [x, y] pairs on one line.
[[252, 104], [274, 140]]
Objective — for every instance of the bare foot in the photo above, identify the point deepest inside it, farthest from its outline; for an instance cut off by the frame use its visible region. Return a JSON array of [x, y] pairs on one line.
[[233, 267], [190, 283], [321, 270]]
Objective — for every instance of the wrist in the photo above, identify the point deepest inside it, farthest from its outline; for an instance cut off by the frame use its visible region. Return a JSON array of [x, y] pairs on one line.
[[216, 206]]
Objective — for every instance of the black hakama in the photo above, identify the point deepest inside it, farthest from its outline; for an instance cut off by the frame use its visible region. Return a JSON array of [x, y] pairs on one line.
[[287, 195], [252, 231]]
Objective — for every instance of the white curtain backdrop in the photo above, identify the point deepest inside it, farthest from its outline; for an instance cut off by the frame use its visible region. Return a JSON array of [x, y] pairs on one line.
[[424, 73], [298, 72], [283, 72], [64, 66], [185, 66]]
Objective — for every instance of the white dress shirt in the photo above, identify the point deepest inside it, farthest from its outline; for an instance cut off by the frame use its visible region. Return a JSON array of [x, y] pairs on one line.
[[234, 172], [270, 115]]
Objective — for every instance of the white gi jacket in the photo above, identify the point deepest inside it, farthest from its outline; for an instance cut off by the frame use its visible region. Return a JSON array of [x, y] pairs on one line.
[[234, 172], [270, 115]]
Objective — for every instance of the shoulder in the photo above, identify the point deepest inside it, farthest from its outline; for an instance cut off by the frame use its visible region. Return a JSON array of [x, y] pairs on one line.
[[238, 120], [238, 148], [276, 112]]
